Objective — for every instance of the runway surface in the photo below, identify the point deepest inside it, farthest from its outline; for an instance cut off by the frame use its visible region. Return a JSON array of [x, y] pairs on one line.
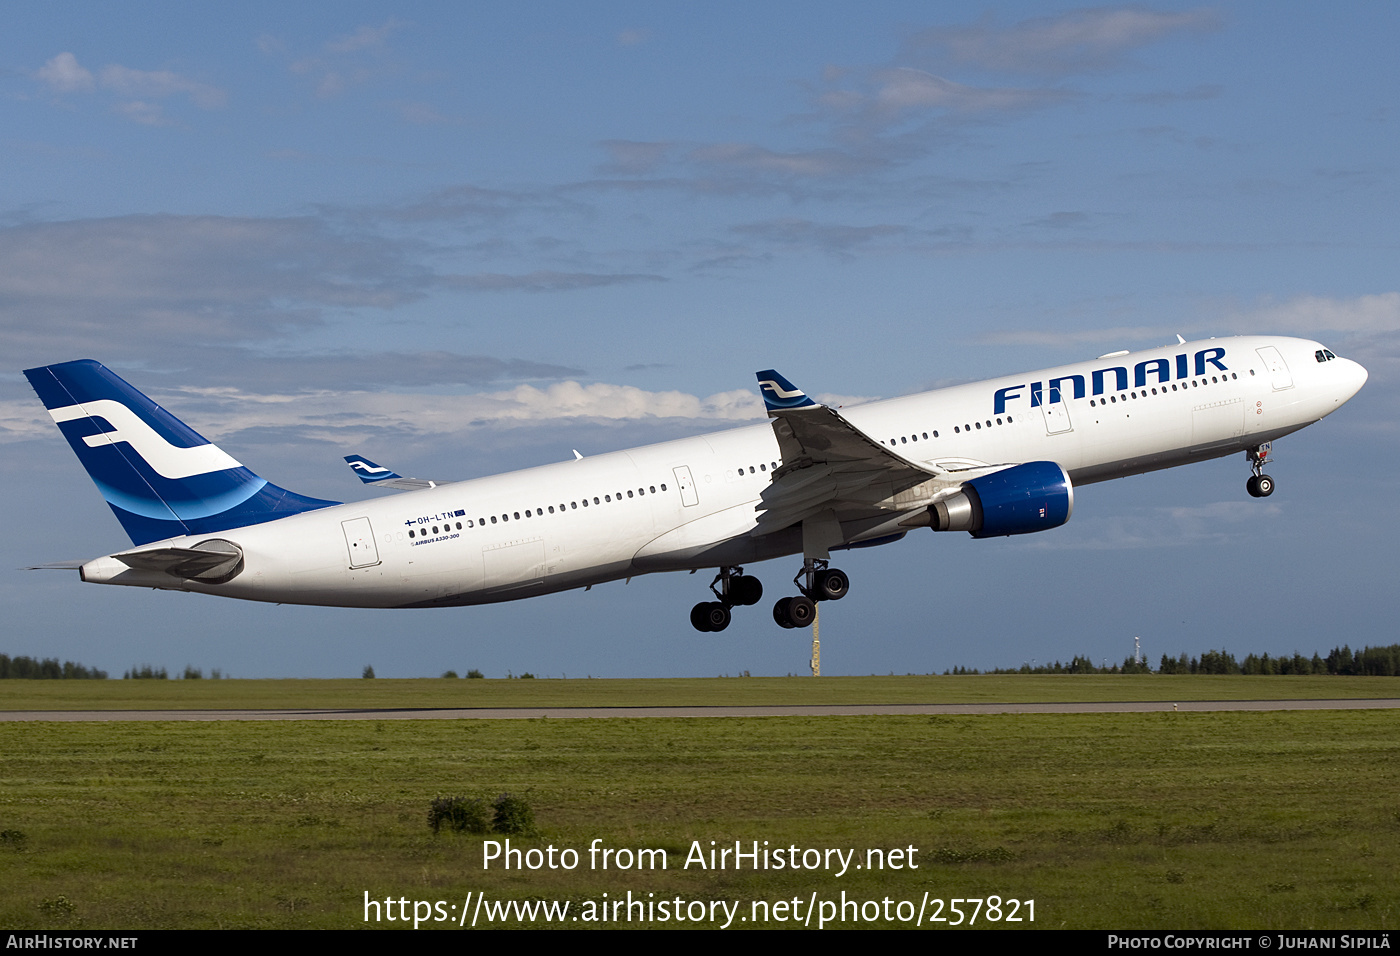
[[820, 710]]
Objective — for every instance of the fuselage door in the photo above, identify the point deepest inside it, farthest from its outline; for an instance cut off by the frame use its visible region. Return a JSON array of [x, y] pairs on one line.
[[1278, 368], [359, 540], [686, 484], [1056, 414]]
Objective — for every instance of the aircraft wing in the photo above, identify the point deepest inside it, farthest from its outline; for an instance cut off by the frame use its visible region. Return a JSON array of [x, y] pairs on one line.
[[381, 477], [831, 465]]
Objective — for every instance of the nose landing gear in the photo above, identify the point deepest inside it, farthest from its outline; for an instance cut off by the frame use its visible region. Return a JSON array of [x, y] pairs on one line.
[[733, 587], [1261, 485]]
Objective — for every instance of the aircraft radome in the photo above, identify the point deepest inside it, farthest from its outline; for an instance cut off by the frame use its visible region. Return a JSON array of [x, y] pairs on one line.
[[999, 457]]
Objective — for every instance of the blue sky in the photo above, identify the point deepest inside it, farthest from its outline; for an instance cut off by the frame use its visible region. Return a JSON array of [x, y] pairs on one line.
[[464, 239]]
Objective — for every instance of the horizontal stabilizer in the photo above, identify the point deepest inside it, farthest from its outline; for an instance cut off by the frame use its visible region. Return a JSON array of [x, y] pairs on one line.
[[214, 560]]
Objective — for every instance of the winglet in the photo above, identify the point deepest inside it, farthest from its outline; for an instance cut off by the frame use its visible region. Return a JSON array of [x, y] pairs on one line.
[[369, 472], [373, 473], [780, 395]]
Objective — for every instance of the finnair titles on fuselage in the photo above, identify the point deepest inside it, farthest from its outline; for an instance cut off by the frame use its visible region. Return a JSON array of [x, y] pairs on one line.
[[993, 458]]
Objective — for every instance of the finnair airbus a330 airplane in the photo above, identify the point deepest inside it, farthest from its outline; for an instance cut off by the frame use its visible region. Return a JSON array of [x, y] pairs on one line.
[[994, 458]]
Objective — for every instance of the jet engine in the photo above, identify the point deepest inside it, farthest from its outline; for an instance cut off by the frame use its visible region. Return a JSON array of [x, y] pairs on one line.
[[1035, 496]]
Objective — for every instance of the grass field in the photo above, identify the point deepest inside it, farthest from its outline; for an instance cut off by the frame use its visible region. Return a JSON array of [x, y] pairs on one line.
[[347, 694], [1163, 820]]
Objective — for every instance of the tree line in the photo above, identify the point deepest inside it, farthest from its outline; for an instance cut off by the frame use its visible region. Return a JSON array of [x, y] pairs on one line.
[[49, 668], [1340, 662]]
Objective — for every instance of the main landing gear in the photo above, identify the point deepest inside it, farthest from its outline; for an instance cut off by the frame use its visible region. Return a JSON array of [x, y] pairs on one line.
[[1261, 485], [733, 587], [817, 582]]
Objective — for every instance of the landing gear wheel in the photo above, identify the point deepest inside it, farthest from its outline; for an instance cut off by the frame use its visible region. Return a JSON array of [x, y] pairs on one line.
[[780, 613], [1260, 486], [745, 590], [801, 611], [698, 616], [832, 585], [709, 616]]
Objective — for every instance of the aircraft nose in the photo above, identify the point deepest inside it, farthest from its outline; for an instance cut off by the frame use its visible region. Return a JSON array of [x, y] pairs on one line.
[[1354, 376], [1358, 375]]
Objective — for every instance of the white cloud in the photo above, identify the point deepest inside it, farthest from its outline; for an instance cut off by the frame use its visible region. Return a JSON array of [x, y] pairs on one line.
[[759, 159], [1311, 314], [543, 280], [867, 109], [147, 282], [140, 89], [829, 237], [158, 84], [365, 38], [1302, 315], [1111, 339], [139, 111], [24, 421], [904, 90], [1074, 42], [63, 74], [218, 413], [348, 60]]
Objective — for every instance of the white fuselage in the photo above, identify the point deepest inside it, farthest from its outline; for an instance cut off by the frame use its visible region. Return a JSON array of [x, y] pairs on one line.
[[692, 503]]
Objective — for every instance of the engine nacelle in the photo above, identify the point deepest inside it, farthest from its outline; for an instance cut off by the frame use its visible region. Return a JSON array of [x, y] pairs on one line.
[[1035, 496]]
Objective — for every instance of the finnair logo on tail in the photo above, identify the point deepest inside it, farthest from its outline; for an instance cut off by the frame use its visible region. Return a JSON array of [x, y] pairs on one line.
[[359, 464], [167, 460], [780, 392], [370, 472]]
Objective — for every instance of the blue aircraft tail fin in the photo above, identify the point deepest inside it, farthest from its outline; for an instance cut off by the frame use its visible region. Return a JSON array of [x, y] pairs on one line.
[[779, 394], [160, 477], [370, 472]]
